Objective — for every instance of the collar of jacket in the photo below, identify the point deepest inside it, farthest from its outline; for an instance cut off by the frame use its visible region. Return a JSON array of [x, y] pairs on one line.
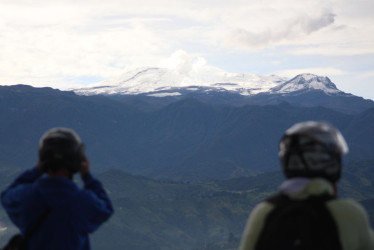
[[301, 188]]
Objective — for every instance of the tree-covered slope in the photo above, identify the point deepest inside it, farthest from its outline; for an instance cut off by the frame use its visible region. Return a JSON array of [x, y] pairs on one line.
[[153, 214]]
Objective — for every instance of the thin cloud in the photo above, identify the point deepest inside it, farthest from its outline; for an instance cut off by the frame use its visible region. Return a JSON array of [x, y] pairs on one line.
[[366, 74], [288, 30]]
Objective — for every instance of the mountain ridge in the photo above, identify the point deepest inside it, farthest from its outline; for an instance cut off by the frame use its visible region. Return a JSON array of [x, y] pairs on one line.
[[215, 86], [186, 139]]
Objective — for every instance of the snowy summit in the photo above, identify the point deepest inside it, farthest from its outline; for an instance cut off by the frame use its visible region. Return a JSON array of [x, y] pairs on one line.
[[305, 82], [165, 81], [156, 80]]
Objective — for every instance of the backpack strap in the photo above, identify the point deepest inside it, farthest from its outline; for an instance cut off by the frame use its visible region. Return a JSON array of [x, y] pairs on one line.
[[34, 228], [19, 241]]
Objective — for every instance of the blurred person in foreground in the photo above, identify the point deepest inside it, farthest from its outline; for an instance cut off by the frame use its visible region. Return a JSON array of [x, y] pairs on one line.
[[306, 213], [47, 190]]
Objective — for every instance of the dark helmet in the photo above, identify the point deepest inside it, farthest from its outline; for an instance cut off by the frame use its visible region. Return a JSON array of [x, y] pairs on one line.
[[60, 148], [312, 149]]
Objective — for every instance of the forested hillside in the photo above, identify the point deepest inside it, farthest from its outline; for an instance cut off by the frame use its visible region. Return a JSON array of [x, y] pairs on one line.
[[153, 214]]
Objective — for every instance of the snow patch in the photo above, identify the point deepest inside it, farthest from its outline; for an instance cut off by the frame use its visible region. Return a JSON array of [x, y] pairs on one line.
[[164, 94]]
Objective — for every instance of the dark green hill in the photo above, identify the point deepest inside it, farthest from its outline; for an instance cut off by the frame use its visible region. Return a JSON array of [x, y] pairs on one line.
[[358, 180], [153, 214], [169, 215], [173, 215]]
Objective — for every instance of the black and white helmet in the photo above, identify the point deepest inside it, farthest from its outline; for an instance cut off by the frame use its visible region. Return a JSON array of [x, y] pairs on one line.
[[60, 148], [312, 149]]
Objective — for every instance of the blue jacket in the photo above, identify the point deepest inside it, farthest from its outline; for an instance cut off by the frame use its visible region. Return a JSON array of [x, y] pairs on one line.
[[74, 212]]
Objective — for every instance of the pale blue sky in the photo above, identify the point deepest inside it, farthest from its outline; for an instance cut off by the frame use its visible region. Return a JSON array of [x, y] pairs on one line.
[[69, 43]]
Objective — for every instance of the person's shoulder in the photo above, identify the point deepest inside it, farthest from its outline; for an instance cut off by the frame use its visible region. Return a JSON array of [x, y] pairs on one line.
[[262, 209], [346, 203], [353, 223], [347, 209], [258, 215]]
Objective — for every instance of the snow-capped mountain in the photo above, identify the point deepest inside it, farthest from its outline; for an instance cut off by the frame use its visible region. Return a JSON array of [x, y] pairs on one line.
[[307, 82], [158, 81], [162, 82]]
